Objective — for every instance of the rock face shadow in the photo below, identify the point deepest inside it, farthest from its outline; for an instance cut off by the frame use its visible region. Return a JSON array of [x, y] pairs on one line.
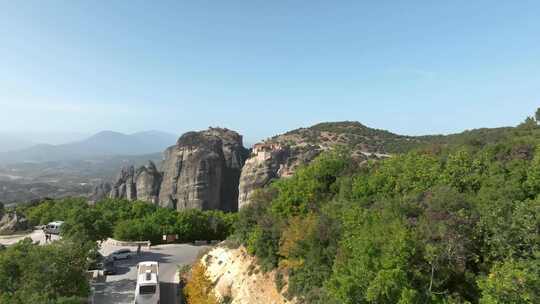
[[169, 293]]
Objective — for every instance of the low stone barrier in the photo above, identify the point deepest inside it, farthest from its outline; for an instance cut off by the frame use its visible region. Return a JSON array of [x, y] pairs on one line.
[[127, 243], [145, 243]]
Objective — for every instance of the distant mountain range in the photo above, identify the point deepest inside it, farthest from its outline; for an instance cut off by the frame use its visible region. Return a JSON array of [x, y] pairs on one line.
[[105, 143], [10, 142]]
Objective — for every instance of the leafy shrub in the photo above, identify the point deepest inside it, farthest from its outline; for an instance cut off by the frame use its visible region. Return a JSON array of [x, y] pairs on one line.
[[39, 274], [131, 221], [198, 289], [512, 281], [309, 186]]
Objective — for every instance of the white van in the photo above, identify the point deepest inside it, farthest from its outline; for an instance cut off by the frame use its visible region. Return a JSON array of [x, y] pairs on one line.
[[53, 227], [147, 289]]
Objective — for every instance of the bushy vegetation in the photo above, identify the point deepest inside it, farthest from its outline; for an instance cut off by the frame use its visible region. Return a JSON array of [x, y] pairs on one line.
[[452, 222], [130, 221], [55, 273]]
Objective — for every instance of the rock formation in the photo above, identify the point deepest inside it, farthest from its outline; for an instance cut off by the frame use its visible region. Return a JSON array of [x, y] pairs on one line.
[[209, 170], [147, 183], [141, 184], [101, 191], [269, 161], [124, 184], [237, 276], [202, 171], [12, 222]]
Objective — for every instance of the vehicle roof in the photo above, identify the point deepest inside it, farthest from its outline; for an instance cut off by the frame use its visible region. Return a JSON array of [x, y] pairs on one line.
[[142, 281], [143, 267]]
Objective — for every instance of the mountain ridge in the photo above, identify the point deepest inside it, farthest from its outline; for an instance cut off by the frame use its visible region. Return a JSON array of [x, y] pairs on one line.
[[104, 143]]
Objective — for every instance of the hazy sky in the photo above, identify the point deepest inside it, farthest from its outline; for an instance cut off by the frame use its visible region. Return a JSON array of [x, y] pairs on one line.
[[263, 67]]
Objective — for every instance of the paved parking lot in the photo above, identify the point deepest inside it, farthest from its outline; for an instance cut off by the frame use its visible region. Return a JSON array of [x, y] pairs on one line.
[[119, 288]]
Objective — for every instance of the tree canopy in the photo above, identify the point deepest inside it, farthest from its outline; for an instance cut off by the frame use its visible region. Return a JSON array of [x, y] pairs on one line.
[[451, 222]]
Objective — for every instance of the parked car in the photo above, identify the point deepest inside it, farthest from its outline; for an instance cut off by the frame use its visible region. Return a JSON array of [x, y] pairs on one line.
[[108, 267], [53, 227], [121, 254]]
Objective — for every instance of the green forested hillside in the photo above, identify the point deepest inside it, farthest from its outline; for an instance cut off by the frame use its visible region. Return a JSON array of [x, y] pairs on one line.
[[455, 220]]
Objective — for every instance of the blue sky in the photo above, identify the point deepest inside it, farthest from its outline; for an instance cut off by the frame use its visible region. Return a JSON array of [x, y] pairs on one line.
[[264, 67]]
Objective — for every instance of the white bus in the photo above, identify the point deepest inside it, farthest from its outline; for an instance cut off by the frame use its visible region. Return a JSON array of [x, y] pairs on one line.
[[147, 289], [53, 227]]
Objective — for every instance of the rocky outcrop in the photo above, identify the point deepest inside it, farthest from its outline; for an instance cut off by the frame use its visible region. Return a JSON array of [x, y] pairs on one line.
[[141, 184], [147, 183], [269, 161], [100, 192], [124, 184], [13, 222], [202, 171], [235, 275]]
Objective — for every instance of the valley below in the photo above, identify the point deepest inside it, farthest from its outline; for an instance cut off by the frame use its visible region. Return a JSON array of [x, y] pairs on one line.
[[31, 181]]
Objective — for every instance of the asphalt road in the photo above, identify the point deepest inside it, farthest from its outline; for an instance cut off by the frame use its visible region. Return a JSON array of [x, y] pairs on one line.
[[119, 288]]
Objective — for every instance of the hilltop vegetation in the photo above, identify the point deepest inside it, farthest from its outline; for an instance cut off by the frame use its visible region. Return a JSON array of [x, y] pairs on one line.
[[356, 136], [352, 134], [454, 220]]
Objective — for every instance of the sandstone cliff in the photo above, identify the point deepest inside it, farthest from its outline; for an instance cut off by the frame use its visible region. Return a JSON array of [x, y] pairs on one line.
[[12, 222], [236, 275], [202, 171]]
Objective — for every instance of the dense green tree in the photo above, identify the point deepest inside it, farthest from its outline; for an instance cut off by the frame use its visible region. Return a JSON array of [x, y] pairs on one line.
[[43, 274], [86, 224], [533, 174], [528, 124], [512, 281], [463, 172], [373, 264], [399, 175], [51, 210], [309, 186], [310, 252], [445, 233]]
